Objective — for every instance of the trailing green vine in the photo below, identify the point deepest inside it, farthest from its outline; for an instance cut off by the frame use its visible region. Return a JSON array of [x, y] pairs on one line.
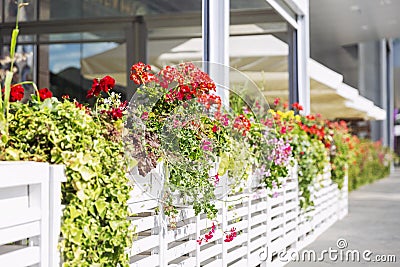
[[95, 230]]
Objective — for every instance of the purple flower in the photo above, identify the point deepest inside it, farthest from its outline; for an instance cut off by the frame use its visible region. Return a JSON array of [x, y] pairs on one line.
[[275, 195]]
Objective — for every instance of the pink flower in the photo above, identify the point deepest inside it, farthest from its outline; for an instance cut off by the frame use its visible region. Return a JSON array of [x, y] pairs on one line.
[[145, 116], [216, 177], [231, 235], [207, 236], [206, 145]]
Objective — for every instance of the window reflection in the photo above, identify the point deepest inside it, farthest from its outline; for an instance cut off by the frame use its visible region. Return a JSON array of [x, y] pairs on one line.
[[27, 13], [69, 9], [23, 66], [72, 67]]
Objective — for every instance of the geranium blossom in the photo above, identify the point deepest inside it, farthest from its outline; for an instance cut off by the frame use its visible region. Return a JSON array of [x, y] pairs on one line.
[[297, 106], [16, 93], [45, 93], [103, 85], [207, 236], [242, 124], [140, 73], [230, 235]]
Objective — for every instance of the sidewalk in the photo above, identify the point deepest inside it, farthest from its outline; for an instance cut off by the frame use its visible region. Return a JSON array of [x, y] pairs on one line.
[[373, 223]]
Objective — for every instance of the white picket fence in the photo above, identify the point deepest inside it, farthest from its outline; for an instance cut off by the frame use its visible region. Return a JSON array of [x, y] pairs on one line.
[[30, 213], [30, 195], [266, 225]]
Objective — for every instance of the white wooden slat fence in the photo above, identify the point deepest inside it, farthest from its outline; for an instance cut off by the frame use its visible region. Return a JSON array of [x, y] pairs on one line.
[[266, 225], [30, 216], [30, 199]]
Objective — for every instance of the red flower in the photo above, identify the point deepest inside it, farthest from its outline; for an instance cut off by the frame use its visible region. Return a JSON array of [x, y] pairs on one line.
[[116, 113], [16, 93], [105, 84], [242, 123], [140, 73], [297, 106], [79, 105], [210, 99], [276, 101], [45, 93], [215, 128]]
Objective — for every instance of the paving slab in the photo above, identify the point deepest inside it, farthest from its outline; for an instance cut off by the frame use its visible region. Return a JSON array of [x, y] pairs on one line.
[[370, 230]]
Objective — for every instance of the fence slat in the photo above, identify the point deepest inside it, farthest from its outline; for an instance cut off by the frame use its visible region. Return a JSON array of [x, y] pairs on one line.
[[265, 225]]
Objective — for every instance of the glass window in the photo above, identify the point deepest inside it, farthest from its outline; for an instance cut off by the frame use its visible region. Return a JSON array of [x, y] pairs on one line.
[[27, 13], [68, 69], [65, 9], [258, 51], [117, 35], [170, 44], [23, 66], [248, 5]]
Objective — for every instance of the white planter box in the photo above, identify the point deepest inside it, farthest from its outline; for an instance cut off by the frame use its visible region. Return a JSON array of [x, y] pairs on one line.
[[265, 226], [30, 198]]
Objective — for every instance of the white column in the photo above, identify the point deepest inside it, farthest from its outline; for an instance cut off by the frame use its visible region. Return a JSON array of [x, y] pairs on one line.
[[216, 44], [303, 53], [384, 89]]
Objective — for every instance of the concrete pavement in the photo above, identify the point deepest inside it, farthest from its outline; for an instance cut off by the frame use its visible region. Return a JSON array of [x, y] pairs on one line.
[[373, 224]]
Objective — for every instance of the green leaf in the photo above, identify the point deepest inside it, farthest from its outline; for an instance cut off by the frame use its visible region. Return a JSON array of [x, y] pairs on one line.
[[14, 38], [101, 205]]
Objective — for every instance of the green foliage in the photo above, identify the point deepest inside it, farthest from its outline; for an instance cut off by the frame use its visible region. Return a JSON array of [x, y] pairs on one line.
[[95, 229], [311, 157], [340, 158]]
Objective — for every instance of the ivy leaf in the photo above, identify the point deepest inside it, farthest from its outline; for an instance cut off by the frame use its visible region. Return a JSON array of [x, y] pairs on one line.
[[101, 206], [73, 212], [76, 236], [86, 173], [224, 163], [81, 195]]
